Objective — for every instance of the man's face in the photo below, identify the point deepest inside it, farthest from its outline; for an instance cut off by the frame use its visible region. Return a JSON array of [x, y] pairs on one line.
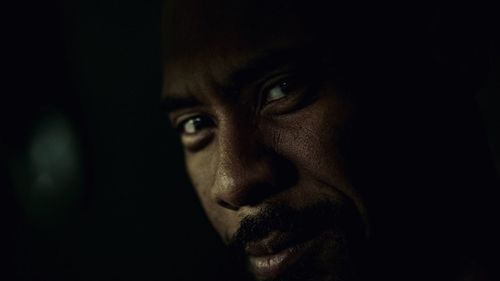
[[263, 124]]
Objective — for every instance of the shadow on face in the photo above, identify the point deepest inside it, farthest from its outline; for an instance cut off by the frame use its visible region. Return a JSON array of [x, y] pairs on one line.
[[297, 118]]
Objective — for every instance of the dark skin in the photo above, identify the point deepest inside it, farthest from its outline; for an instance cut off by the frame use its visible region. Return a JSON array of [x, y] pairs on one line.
[[265, 121]]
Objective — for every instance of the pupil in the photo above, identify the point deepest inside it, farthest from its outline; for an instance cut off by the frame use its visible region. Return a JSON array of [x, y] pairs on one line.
[[285, 86], [197, 122]]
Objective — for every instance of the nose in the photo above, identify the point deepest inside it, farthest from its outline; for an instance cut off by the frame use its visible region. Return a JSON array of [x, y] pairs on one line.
[[248, 171]]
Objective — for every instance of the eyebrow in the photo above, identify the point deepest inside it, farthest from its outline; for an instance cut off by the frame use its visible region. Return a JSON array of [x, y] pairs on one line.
[[170, 104], [249, 72], [259, 66]]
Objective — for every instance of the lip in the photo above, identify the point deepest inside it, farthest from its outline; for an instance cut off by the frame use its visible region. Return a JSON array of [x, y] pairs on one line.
[[274, 255]]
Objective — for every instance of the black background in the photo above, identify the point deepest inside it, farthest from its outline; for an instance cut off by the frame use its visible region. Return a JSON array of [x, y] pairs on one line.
[[133, 215]]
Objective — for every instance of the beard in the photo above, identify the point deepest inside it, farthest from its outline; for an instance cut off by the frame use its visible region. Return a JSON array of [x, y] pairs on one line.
[[338, 224]]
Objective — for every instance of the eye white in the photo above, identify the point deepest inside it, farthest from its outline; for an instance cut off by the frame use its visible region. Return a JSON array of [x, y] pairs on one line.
[[276, 93], [190, 127]]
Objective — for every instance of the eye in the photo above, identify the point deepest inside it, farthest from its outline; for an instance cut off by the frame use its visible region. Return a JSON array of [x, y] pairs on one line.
[[285, 95], [277, 92], [194, 124]]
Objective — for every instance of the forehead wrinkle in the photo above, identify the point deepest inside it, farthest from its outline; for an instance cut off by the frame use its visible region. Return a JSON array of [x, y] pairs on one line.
[[185, 79], [225, 73], [204, 75]]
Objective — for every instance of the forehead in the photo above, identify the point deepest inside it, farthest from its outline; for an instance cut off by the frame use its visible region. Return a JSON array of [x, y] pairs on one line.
[[228, 69], [191, 25], [204, 43]]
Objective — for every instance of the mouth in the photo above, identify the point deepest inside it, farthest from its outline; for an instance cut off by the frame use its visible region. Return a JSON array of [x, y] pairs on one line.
[[274, 255]]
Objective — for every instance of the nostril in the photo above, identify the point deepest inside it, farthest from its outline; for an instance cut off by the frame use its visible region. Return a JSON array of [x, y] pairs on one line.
[[226, 205], [245, 195]]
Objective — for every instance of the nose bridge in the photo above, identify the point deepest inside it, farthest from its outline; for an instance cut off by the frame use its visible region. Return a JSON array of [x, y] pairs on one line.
[[244, 173]]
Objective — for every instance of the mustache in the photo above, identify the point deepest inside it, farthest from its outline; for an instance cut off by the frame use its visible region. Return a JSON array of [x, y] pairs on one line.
[[302, 223]]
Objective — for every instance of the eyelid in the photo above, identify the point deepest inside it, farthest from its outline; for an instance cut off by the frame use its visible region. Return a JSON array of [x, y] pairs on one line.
[[291, 79], [177, 116], [268, 84], [193, 142], [183, 119], [179, 125], [302, 89]]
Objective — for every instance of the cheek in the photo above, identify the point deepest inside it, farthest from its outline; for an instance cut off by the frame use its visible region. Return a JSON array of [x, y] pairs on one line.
[[201, 170], [312, 139]]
